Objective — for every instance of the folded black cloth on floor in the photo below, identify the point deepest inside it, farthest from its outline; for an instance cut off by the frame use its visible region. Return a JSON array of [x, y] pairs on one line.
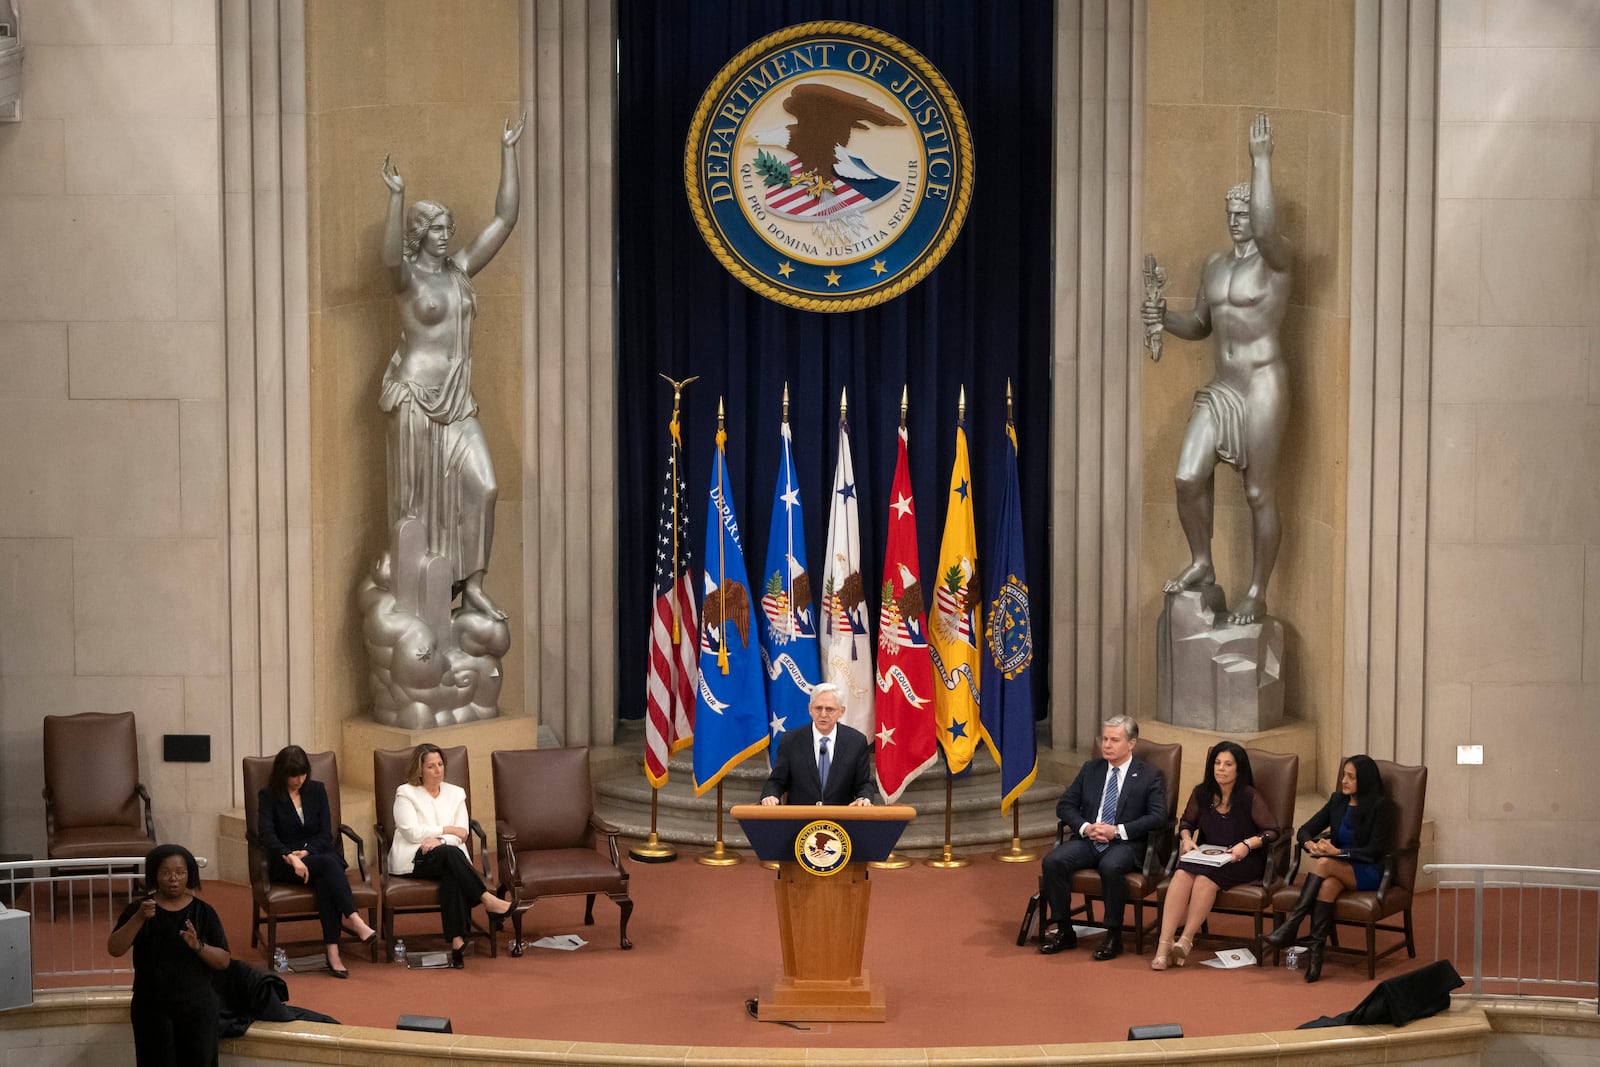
[[1396, 1001]]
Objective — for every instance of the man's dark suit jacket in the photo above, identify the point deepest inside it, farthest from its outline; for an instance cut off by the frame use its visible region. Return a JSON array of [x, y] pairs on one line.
[[794, 771], [1141, 800], [282, 831]]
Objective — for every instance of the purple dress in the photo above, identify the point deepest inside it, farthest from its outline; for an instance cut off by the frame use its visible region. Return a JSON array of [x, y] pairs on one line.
[[1247, 816]]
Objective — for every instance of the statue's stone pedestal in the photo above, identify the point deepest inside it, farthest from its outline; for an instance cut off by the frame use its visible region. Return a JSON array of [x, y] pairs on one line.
[[363, 736], [1213, 676]]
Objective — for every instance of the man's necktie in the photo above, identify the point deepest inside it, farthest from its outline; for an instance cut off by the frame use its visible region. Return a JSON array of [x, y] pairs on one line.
[[1108, 806], [822, 763]]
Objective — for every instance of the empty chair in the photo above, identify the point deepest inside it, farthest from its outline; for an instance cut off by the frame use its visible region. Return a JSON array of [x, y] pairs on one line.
[[547, 833]]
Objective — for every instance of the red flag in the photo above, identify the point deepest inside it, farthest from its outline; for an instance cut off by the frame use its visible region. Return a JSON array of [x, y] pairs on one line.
[[906, 735], [674, 629]]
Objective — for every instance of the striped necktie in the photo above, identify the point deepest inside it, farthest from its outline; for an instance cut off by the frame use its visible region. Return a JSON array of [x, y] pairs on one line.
[[1108, 806]]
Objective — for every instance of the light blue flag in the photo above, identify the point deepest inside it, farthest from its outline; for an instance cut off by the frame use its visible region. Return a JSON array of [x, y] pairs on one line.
[[788, 616], [730, 708], [1008, 696]]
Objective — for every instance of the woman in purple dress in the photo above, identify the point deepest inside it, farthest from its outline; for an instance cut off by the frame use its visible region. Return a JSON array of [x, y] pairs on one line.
[[1359, 822], [1225, 813]]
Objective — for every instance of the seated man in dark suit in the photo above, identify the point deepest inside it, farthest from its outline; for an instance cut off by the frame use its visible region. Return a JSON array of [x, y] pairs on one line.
[[1109, 824], [824, 763]]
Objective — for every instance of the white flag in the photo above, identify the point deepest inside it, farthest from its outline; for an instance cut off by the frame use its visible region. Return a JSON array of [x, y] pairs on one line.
[[846, 643]]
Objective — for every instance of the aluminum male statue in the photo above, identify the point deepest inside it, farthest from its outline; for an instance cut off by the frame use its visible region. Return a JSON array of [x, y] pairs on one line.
[[1240, 417], [432, 666]]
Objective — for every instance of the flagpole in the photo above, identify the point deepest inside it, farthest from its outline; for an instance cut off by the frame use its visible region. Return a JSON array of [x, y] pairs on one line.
[[653, 849], [948, 859], [720, 855], [1016, 853], [895, 861]]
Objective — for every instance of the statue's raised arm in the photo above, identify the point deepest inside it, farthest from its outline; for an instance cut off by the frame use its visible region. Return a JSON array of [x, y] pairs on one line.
[[1275, 248], [507, 203], [392, 254]]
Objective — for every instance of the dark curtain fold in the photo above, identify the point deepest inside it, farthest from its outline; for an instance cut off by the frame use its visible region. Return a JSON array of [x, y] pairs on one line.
[[982, 316]]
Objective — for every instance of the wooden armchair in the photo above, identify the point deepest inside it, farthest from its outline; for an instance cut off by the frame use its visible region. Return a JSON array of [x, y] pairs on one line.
[[275, 902], [95, 806], [1142, 883], [94, 803], [1277, 776], [399, 894], [1407, 787], [547, 833]]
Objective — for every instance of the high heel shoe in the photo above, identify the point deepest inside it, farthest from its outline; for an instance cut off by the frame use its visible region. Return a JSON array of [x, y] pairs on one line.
[[337, 972], [458, 958], [1180, 952], [1163, 956], [497, 921]]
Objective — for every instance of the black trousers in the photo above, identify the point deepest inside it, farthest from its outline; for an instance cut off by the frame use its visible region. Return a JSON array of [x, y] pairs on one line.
[[175, 1033], [460, 886], [329, 885], [1114, 863]]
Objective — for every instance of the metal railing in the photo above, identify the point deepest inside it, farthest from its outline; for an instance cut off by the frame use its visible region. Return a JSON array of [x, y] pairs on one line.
[[73, 906], [1531, 932]]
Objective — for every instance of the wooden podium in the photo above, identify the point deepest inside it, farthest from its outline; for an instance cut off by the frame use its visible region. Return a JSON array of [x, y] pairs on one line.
[[822, 854]]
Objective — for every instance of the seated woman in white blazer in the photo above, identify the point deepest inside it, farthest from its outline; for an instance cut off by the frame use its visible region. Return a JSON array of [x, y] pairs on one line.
[[430, 841]]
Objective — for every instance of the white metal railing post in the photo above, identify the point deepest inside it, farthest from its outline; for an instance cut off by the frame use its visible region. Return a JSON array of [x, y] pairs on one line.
[[1521, 962]]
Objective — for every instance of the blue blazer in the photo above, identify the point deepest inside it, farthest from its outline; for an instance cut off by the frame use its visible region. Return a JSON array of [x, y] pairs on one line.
[[794, 770], [281, 829]]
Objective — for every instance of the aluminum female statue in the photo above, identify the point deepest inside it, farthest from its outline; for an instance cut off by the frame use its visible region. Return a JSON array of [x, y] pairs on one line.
[[433, 665]]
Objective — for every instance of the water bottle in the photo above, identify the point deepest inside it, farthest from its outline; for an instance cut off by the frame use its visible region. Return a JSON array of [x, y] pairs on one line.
[[1291, 958], [280, 960], [400, 951]]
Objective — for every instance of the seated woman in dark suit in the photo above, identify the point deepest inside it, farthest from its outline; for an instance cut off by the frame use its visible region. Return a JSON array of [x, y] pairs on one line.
[[1224, 811], [297, 832], [1359, 820]]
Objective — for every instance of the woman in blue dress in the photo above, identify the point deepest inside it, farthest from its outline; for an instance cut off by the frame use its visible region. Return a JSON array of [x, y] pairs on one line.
[[1359, 823]]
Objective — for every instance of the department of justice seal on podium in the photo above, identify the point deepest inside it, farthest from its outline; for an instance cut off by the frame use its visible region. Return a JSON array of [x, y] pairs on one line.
[[822, 847], [829, 166]]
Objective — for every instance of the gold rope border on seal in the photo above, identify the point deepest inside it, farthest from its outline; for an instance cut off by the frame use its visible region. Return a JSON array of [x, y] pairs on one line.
[[932, 255]]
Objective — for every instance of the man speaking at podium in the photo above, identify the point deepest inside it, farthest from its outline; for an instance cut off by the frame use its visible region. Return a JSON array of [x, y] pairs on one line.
[[824, 763]]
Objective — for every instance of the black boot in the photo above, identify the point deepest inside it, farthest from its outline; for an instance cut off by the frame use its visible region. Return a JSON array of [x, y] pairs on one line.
[[1285, 933], [1321, 926]]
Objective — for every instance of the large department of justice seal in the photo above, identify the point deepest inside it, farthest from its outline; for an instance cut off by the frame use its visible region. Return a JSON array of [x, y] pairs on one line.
[[829, 166]]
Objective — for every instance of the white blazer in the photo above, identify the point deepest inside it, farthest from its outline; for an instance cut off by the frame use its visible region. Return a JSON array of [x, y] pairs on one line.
[[419, 816]]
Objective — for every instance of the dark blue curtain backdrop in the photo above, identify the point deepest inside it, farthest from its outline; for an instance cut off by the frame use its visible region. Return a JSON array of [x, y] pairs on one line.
[[982, 315]]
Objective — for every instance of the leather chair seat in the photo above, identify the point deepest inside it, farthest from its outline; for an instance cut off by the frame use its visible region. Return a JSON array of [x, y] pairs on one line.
[[94, 842], [1356, 907], [402, 892], [558, 872]]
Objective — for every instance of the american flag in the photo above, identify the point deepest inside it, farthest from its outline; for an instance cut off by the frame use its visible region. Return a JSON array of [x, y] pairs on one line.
[[797, 200], [674, 630]]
